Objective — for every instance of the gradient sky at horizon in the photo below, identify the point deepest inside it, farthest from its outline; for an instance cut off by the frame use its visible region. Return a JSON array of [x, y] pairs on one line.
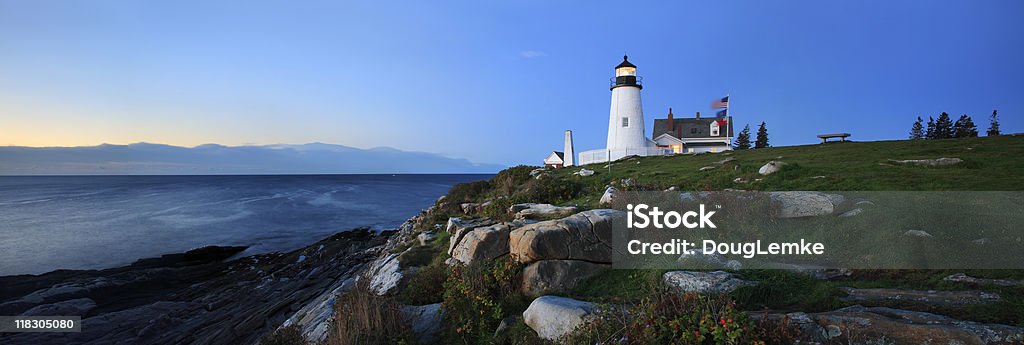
[[495, 81]]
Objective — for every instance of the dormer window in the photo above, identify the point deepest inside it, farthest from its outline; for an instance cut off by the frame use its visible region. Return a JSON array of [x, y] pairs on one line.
[[714, 129]]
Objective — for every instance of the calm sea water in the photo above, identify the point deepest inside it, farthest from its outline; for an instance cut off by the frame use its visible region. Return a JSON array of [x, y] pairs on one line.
[[90, 222]]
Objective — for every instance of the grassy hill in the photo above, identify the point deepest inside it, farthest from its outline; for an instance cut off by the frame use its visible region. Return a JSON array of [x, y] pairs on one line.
[[990, 163]]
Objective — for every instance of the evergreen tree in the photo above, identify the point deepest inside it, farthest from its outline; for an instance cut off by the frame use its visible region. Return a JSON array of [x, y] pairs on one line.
[[743, 139], [943, 127], [762, 137], [917, 130], [930, 132], [993, 129], [964, 127]]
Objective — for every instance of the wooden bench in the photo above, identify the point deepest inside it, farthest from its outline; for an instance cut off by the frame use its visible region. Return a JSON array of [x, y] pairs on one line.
[[825, 137]]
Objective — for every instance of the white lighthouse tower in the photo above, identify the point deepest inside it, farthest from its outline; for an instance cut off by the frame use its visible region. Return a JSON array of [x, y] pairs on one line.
[[626, 118]]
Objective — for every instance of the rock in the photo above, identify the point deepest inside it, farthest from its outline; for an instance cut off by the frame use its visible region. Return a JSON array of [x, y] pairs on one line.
[[930, 297], [836, 199], [918, 233], [740, 180], [929, 162], [852, 212], [584, 172], [981, 241], [706, 168], [817, 177], [425, 321], [802, 204], [73, 307], [609, 195], [535, 173], [698, 259], [554, 276], [864, 203], [553, 317], [770, 167], [963, 278], [541, 211], [690, 281], [628, 182], [880, 325], [458, 229], [486, 242], [816, 272], [727, 160], [672, 189], [425, 237], [470, 207], [506, 324], [583, 236], [385, 273]]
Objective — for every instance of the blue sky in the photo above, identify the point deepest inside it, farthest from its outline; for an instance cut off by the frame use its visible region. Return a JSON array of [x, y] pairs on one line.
[[492, 81]]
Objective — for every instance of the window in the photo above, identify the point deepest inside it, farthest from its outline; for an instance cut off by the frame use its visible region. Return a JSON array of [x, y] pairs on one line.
[[625, 122], [714, 129], [693, 130]]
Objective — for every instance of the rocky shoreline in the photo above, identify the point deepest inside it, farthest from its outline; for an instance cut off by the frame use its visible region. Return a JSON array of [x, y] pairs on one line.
[[194, 297]]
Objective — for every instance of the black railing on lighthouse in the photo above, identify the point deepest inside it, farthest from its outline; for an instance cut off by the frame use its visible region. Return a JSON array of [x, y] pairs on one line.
[[626, 80]]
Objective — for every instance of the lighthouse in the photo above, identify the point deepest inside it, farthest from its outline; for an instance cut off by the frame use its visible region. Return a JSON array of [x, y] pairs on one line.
[[626, 118]]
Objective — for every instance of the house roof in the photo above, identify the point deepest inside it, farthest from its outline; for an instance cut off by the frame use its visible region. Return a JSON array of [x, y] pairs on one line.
[[690, 127], [557, 154]]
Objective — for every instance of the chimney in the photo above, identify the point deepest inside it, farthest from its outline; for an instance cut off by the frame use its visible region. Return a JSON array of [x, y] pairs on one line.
[[698, 114], [671, 121], [568, 153]]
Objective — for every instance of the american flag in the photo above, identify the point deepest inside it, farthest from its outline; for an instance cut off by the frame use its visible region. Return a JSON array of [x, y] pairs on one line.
[[720, 103], [721, 113]]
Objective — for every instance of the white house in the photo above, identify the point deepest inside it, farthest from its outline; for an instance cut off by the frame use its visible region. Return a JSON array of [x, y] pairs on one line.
[[693, 135], [555, 160]]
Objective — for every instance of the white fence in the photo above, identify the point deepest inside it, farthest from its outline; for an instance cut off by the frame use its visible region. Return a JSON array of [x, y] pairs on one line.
[[601, 156]]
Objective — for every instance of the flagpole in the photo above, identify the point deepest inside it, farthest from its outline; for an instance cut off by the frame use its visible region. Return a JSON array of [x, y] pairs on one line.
[[727, 114]]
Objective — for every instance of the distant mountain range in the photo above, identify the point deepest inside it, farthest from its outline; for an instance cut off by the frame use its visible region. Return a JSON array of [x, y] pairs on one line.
[[158, 159]]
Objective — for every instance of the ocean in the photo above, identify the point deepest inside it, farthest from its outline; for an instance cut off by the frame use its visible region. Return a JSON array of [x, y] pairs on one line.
[[95, 222]]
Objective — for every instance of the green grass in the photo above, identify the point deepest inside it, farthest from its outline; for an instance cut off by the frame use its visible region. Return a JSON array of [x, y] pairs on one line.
[[990, 163]]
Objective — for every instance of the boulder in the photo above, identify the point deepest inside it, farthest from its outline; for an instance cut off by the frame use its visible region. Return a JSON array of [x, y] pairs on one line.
[[73, 307], [425, 237], [918, 233], [707, 168], [554, 276], [727, 160], [458, 228], [385, 273], [802, 204], [553, 317], [583, 236], [698, 259], [930, 297], [425, 321], [486, 242], [963, 278], [929, 162], [740, 180], [690, 281], [535, 173], [541, 211], [879, 325], [584, 172], [770, 167], [608, 196], [852, 212]]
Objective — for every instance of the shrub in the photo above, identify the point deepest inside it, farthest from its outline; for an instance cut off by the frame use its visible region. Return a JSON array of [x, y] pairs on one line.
[[477, 297], [290, 335], [669, 318], [508, 181], [363, 317], [548, 190]]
